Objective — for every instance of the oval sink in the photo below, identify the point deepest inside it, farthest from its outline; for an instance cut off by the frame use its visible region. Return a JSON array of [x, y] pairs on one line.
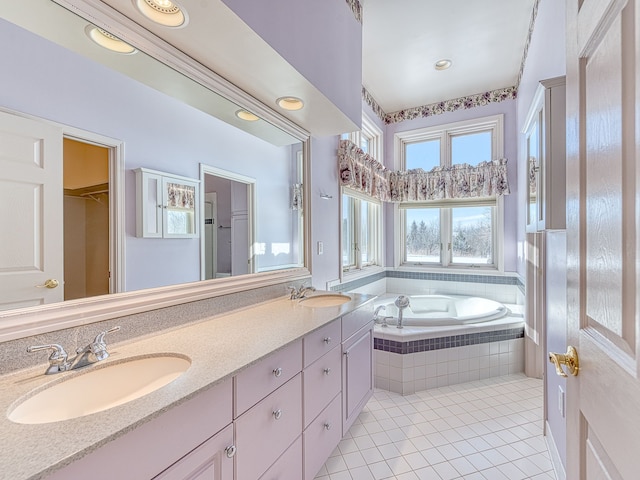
[[98, 389], [325, 300]]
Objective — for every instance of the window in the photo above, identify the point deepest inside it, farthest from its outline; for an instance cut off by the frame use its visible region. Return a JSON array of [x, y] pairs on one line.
[[362, 216], [451, 233], [361, 231]]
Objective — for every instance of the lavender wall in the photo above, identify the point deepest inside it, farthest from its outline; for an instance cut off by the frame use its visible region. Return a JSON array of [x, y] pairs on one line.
[[546, 59], [42, 79], [321, 39], [324, 212], [508, 109]]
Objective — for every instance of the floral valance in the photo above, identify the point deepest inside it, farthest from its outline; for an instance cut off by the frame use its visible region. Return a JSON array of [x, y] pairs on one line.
[[181, 196], [365, 174], [362, 172]]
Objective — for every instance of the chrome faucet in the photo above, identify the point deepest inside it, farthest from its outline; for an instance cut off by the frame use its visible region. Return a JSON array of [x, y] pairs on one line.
[[376, 316], [401, 302], [96, 351], [59, 359], [301, 292]]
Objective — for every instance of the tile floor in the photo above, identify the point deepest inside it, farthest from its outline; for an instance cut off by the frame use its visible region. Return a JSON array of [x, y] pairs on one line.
[[484, 430]]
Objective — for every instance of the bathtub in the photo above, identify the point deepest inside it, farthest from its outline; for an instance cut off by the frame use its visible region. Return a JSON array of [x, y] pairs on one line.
[[446, 339], [439, 310]]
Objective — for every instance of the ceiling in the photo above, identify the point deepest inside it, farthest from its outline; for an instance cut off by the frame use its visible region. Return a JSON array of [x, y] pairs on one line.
[[402, 40]]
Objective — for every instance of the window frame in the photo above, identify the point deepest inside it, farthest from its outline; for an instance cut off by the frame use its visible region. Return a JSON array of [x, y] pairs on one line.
[[494, 124], [375, 136], [376, 229]]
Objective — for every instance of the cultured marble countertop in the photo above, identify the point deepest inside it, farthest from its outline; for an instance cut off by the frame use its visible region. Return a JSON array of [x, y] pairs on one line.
[[218, 347]]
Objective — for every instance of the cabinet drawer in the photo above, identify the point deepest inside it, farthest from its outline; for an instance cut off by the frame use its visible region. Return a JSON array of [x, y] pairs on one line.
[[321, 341], [265, 431], [354, 321], [259, 380], [288, 466], [322, 380], [321, 438]]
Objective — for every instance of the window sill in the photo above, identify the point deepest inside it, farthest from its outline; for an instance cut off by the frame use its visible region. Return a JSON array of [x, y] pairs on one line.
[[356, 273], [488, 270]]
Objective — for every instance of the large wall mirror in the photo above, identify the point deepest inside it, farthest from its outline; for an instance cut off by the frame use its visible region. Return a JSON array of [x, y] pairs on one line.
[[231, 182]]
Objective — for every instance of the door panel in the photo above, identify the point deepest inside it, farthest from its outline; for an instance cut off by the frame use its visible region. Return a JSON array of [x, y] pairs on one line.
[[602, 233], [30, 211]]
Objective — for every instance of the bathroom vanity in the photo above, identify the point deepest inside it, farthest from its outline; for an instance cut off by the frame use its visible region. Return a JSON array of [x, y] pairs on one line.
[[269, 394]]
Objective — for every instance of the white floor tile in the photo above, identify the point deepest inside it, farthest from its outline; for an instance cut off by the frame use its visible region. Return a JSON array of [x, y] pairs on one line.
[[486, 429]]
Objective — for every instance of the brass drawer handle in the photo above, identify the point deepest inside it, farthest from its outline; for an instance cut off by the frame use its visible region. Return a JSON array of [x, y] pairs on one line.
[[570, 359]]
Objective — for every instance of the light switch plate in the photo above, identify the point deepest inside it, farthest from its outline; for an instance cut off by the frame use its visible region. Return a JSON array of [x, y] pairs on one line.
[[320, 248]]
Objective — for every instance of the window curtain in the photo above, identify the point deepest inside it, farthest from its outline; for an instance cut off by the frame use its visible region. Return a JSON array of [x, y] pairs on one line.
[[181, 196], [365, 174]]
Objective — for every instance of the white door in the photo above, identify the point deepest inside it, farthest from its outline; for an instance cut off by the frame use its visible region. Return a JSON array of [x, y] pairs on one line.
[[31, 227], [603, 220]]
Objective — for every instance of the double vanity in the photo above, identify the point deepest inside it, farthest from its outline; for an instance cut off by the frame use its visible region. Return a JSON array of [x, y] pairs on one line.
[[265, 392]]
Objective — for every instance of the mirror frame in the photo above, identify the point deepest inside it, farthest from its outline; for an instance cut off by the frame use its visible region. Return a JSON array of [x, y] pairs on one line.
[[25, 322]]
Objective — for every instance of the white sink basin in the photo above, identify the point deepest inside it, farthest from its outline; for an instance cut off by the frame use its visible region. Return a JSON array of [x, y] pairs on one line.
[[325, 300], [98, 388]]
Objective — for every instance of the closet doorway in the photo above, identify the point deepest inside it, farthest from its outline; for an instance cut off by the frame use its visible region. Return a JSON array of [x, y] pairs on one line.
[[86, 175]]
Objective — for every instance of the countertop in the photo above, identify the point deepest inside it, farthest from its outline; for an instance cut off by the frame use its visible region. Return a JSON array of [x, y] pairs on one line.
[[219, 347]]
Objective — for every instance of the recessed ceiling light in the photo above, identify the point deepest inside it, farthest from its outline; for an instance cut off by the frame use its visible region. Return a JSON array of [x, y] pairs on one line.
[[442, 64], [290, 103], [248, 116], [108, 41], [164, 12]]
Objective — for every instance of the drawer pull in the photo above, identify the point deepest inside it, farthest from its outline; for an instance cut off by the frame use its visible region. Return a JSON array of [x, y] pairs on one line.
[[327, 426], [327, 371], [277, 372], [230, 451], [327, 340], [277, 414]]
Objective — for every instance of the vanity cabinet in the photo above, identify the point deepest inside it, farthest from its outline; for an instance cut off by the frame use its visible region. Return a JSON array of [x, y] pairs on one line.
[[544, 133], [280, 418], [166, 205]]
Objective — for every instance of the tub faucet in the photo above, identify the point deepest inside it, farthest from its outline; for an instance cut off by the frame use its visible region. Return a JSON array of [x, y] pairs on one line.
[[401, 302]]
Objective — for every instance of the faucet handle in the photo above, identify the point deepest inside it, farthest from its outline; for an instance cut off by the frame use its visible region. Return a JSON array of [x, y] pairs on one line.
[[100, 337], [58, 358]]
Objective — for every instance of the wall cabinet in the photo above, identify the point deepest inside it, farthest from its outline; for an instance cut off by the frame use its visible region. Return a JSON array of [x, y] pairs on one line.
[[166, 205], [544, 133]]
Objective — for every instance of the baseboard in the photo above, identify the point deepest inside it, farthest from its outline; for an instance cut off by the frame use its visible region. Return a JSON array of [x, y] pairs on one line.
[[558, 467]]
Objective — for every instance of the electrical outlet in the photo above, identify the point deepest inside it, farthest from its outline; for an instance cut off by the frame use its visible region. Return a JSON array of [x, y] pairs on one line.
[[320, 248], [561, 401]]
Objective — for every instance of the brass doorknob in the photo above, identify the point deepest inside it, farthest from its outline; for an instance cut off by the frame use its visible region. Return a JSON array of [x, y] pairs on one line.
[[570, 359], [51, 283]]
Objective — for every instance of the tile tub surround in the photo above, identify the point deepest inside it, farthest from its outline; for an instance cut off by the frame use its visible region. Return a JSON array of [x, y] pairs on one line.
[[413, 359], [501, 288], [219, 348]]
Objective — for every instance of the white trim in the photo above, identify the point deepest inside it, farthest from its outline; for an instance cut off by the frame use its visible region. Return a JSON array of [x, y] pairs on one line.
[[31, 321], [558, 467], [117, 235], [251, 209]]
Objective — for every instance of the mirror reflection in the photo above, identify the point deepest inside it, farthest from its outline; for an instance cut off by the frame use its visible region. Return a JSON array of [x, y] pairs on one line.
[[77, 138]]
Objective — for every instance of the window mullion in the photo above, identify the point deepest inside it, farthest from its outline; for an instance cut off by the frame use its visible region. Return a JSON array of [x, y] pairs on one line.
[[446, 236]]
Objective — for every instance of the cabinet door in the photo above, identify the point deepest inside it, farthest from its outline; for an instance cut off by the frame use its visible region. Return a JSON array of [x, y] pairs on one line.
[[213, 460], [357, 375], [149, 205]]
